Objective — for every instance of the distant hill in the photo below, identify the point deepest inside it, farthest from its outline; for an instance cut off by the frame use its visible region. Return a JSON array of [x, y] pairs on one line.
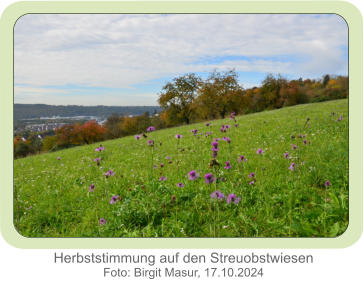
[[32, 111]]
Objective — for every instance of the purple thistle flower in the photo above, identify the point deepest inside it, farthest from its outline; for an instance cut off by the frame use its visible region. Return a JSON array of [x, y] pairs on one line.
[[260, 151], [214, 144], [137, 137], [208, 134], [91, 188], [193, 175], [232, 116], [168, 157], [252, 174], [102, 221], [178, 136], [194, 131], [217, 195], [97, 160], [58, 158], [162, 178], [227, 165], [227, 127], [223, 129], [99, 149], [286, 155], [180, 185], [109, 173], [208, 124], [252, 182], [291, 167], [162, 165], [209, 178], [150, 129], [114, 199], [154, 166], [293, 146], [150, 143], [227, 139], [340, 118], [305, 141], [236, 125], [232, 198], [242, 158], [327, 184]]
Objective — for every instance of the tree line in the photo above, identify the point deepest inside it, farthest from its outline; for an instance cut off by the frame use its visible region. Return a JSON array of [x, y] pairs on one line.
[[189, 99]]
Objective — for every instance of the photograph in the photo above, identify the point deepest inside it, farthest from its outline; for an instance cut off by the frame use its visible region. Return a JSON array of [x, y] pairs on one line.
[[181, 125]]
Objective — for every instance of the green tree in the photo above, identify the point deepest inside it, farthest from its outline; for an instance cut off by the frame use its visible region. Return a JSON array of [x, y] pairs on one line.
[[220, 95], [177, 96]]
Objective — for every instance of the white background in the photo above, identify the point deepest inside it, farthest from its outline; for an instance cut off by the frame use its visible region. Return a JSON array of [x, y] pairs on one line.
[[34, 270]]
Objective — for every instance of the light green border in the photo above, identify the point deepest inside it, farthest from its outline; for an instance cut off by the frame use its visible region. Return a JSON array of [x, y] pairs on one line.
[[346, 10]]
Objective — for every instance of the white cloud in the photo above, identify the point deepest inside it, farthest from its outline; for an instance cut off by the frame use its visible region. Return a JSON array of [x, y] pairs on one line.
[[124, 50]]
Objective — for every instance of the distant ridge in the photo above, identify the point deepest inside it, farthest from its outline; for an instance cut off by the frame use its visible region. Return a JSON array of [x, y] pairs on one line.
[[33, 111]]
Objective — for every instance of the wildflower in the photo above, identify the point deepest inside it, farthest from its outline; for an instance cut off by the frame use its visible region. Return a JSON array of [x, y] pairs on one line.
[[227, 165], [252, 182], [340, 118], [109, 173], [233, 198], [173, 198], [137, 137], [214, 153], [286, 155], [227, 127], [194, 131], [215, 144], [208, 124], [227, 139], [252, 174], [236, 125], [193, 175], [150, 129], [168, 157], [208, 134], [291, 167], [327, 184], [223, 129], [91, 188], [209, 178], [114, 199], [154, 166], [242, 158], [99, 149], [162, 178], [97, 160], [150, 143], [178, 136], [102, 221], [305, 141], [180, 185], [217, 195], [58, 158], [162, 165], [260, 151], [293, 146], [232, 116]]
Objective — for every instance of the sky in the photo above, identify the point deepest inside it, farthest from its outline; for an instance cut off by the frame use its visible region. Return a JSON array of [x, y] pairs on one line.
[[120, 59]]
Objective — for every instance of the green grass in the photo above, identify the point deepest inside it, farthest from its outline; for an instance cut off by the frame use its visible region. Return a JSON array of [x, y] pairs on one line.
[[51, 197]]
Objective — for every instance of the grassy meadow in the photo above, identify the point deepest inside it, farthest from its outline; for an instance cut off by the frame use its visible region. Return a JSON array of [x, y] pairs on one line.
[[291, 182]]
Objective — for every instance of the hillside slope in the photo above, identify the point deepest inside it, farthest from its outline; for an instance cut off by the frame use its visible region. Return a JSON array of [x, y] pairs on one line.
[[291, 182]]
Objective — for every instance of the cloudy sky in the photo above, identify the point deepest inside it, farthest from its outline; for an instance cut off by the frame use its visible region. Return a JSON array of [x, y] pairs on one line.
[[126, 59]]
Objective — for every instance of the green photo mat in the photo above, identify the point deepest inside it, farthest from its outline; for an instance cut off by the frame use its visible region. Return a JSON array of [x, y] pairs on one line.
[[354, 20]]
